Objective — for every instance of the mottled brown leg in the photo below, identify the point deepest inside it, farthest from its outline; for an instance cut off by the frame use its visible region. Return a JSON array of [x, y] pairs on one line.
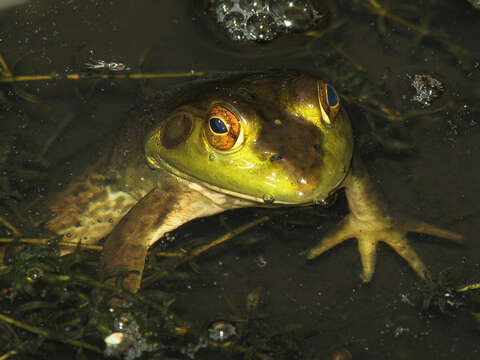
[[160, 211], [127, 246]]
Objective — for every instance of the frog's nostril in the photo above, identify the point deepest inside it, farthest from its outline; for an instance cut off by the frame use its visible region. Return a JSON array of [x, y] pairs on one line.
[[276, 158]]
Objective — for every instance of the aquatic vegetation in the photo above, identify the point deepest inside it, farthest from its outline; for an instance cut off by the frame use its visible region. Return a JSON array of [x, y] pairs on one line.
[[51, 302], [385, 11], [453, 291]]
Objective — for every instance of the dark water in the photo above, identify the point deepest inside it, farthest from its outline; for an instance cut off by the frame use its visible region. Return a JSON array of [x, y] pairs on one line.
[[438, 180]]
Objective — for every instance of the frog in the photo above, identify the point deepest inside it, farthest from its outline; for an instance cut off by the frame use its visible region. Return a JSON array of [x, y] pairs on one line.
[[267, 139]]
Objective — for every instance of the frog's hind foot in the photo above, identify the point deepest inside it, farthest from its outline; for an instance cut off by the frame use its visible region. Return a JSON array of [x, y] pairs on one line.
[[370, 233]]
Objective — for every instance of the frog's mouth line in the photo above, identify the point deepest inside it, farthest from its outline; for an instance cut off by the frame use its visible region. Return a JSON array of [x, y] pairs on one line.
[[254, 199], [257, 200]]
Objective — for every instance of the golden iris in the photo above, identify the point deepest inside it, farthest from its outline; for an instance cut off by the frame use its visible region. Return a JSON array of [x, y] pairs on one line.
[[223, 128]]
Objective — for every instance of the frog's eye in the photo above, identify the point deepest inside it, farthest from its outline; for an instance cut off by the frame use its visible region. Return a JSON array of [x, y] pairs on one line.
[[223, 129], [329, 102]]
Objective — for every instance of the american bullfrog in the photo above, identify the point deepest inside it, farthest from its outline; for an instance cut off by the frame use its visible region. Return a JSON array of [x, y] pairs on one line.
[[262, 139]]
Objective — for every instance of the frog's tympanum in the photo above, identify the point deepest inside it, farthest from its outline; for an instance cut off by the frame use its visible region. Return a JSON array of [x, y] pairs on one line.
[[270, 139]]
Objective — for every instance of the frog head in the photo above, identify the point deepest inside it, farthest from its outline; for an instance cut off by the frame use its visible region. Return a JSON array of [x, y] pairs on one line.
[[276, 138]]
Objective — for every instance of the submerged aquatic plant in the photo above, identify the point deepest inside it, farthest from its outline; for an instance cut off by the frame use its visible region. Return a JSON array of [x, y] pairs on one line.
[[51, 302], [454, 290]]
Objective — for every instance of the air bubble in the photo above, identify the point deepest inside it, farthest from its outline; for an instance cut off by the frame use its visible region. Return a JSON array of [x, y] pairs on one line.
[[251, 5], [34, 274], [297, 17], [326, 202], [237, 35], [233, 20], [221, 332], [268, 199], [320, 202], [224, 8], [261, 27]]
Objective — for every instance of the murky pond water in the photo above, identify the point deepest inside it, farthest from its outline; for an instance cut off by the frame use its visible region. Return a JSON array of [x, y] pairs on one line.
[[308, 309]]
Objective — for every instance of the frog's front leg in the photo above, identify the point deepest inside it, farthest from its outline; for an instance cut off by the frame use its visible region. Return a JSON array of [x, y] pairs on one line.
[[160, 211], [127, 245], [371, 221]]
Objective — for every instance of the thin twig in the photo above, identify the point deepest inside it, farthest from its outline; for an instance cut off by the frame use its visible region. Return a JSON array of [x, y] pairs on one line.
[[183, 257], [66, 121], [47, 334], [8, 354], [3, 67], [382, 12], [10, 227], [229, 235], [48, 240], [82, 76], [469, 287]]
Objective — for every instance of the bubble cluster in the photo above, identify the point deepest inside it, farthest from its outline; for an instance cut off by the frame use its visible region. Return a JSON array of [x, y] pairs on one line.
[[264, 20]]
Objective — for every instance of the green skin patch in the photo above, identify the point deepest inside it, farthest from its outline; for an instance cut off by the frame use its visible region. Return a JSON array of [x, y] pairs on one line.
[[285, 153]]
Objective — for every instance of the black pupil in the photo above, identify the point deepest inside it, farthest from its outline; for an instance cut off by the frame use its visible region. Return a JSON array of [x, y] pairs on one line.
[[332, 96], [218, 126]]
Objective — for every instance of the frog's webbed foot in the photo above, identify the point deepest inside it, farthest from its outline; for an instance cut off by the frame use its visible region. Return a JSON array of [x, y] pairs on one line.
[[371, 222], [369, 234]]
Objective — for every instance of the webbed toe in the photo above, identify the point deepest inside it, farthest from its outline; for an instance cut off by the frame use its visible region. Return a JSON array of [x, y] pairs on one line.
[[369, 234], [371, 221]]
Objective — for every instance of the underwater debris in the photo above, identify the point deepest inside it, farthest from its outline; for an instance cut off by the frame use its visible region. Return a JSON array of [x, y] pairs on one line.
[[191, 349], [5, 4], [100, 65], [475, 4], [127, 341], [428, 88]]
